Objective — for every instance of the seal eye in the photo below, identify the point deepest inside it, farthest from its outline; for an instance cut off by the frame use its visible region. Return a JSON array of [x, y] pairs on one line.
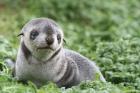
[[33, 34], [59, 38]]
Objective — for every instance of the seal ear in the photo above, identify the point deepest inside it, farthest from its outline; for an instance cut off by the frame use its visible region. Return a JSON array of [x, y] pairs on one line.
[[21, 34], [64, 41]]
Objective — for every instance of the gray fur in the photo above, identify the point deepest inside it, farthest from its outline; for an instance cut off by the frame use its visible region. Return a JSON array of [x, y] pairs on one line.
[[54, 63]]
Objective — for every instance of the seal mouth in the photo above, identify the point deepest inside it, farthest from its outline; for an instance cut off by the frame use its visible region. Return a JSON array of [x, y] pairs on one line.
[[46, 47]]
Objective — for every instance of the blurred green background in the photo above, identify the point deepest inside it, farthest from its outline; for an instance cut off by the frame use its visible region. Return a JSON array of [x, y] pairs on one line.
[[106, 31]]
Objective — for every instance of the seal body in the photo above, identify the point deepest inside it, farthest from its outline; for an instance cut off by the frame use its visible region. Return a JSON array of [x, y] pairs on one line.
[[42, 58]]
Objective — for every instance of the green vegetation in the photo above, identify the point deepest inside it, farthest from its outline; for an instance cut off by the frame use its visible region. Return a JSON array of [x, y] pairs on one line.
[[106, 31]]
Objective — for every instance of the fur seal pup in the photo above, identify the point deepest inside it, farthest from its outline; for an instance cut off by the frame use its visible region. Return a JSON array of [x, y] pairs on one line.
[[41, 57]]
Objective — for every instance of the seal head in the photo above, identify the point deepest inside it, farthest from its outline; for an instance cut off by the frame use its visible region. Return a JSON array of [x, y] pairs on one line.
[[42, 37]]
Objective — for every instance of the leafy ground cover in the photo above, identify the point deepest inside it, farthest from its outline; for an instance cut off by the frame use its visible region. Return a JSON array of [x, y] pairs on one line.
[[106, 31]]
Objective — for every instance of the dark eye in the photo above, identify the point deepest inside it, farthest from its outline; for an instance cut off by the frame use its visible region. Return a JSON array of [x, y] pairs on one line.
[[33, 35], [59, 38]]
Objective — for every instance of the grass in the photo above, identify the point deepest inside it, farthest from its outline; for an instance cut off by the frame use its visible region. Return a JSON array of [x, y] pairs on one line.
[[104, 31]]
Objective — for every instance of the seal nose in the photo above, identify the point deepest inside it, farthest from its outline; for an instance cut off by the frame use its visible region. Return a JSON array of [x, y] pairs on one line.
[[49, 40]]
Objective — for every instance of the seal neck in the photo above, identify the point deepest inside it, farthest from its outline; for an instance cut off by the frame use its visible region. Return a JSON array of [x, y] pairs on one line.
[[25, 50], [55, 54]]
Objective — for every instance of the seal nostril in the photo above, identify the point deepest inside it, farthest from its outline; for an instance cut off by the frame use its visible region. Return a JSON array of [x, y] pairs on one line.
[[49, 41]]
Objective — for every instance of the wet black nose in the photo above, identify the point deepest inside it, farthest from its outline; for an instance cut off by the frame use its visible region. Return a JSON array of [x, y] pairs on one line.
[[49, 40]]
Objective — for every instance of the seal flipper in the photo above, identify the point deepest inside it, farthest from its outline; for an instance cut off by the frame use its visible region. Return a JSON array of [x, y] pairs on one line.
[[11, 65], [71, 75]]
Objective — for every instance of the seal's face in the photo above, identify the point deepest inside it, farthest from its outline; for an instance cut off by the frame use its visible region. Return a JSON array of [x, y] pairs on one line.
[[43, 37]]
